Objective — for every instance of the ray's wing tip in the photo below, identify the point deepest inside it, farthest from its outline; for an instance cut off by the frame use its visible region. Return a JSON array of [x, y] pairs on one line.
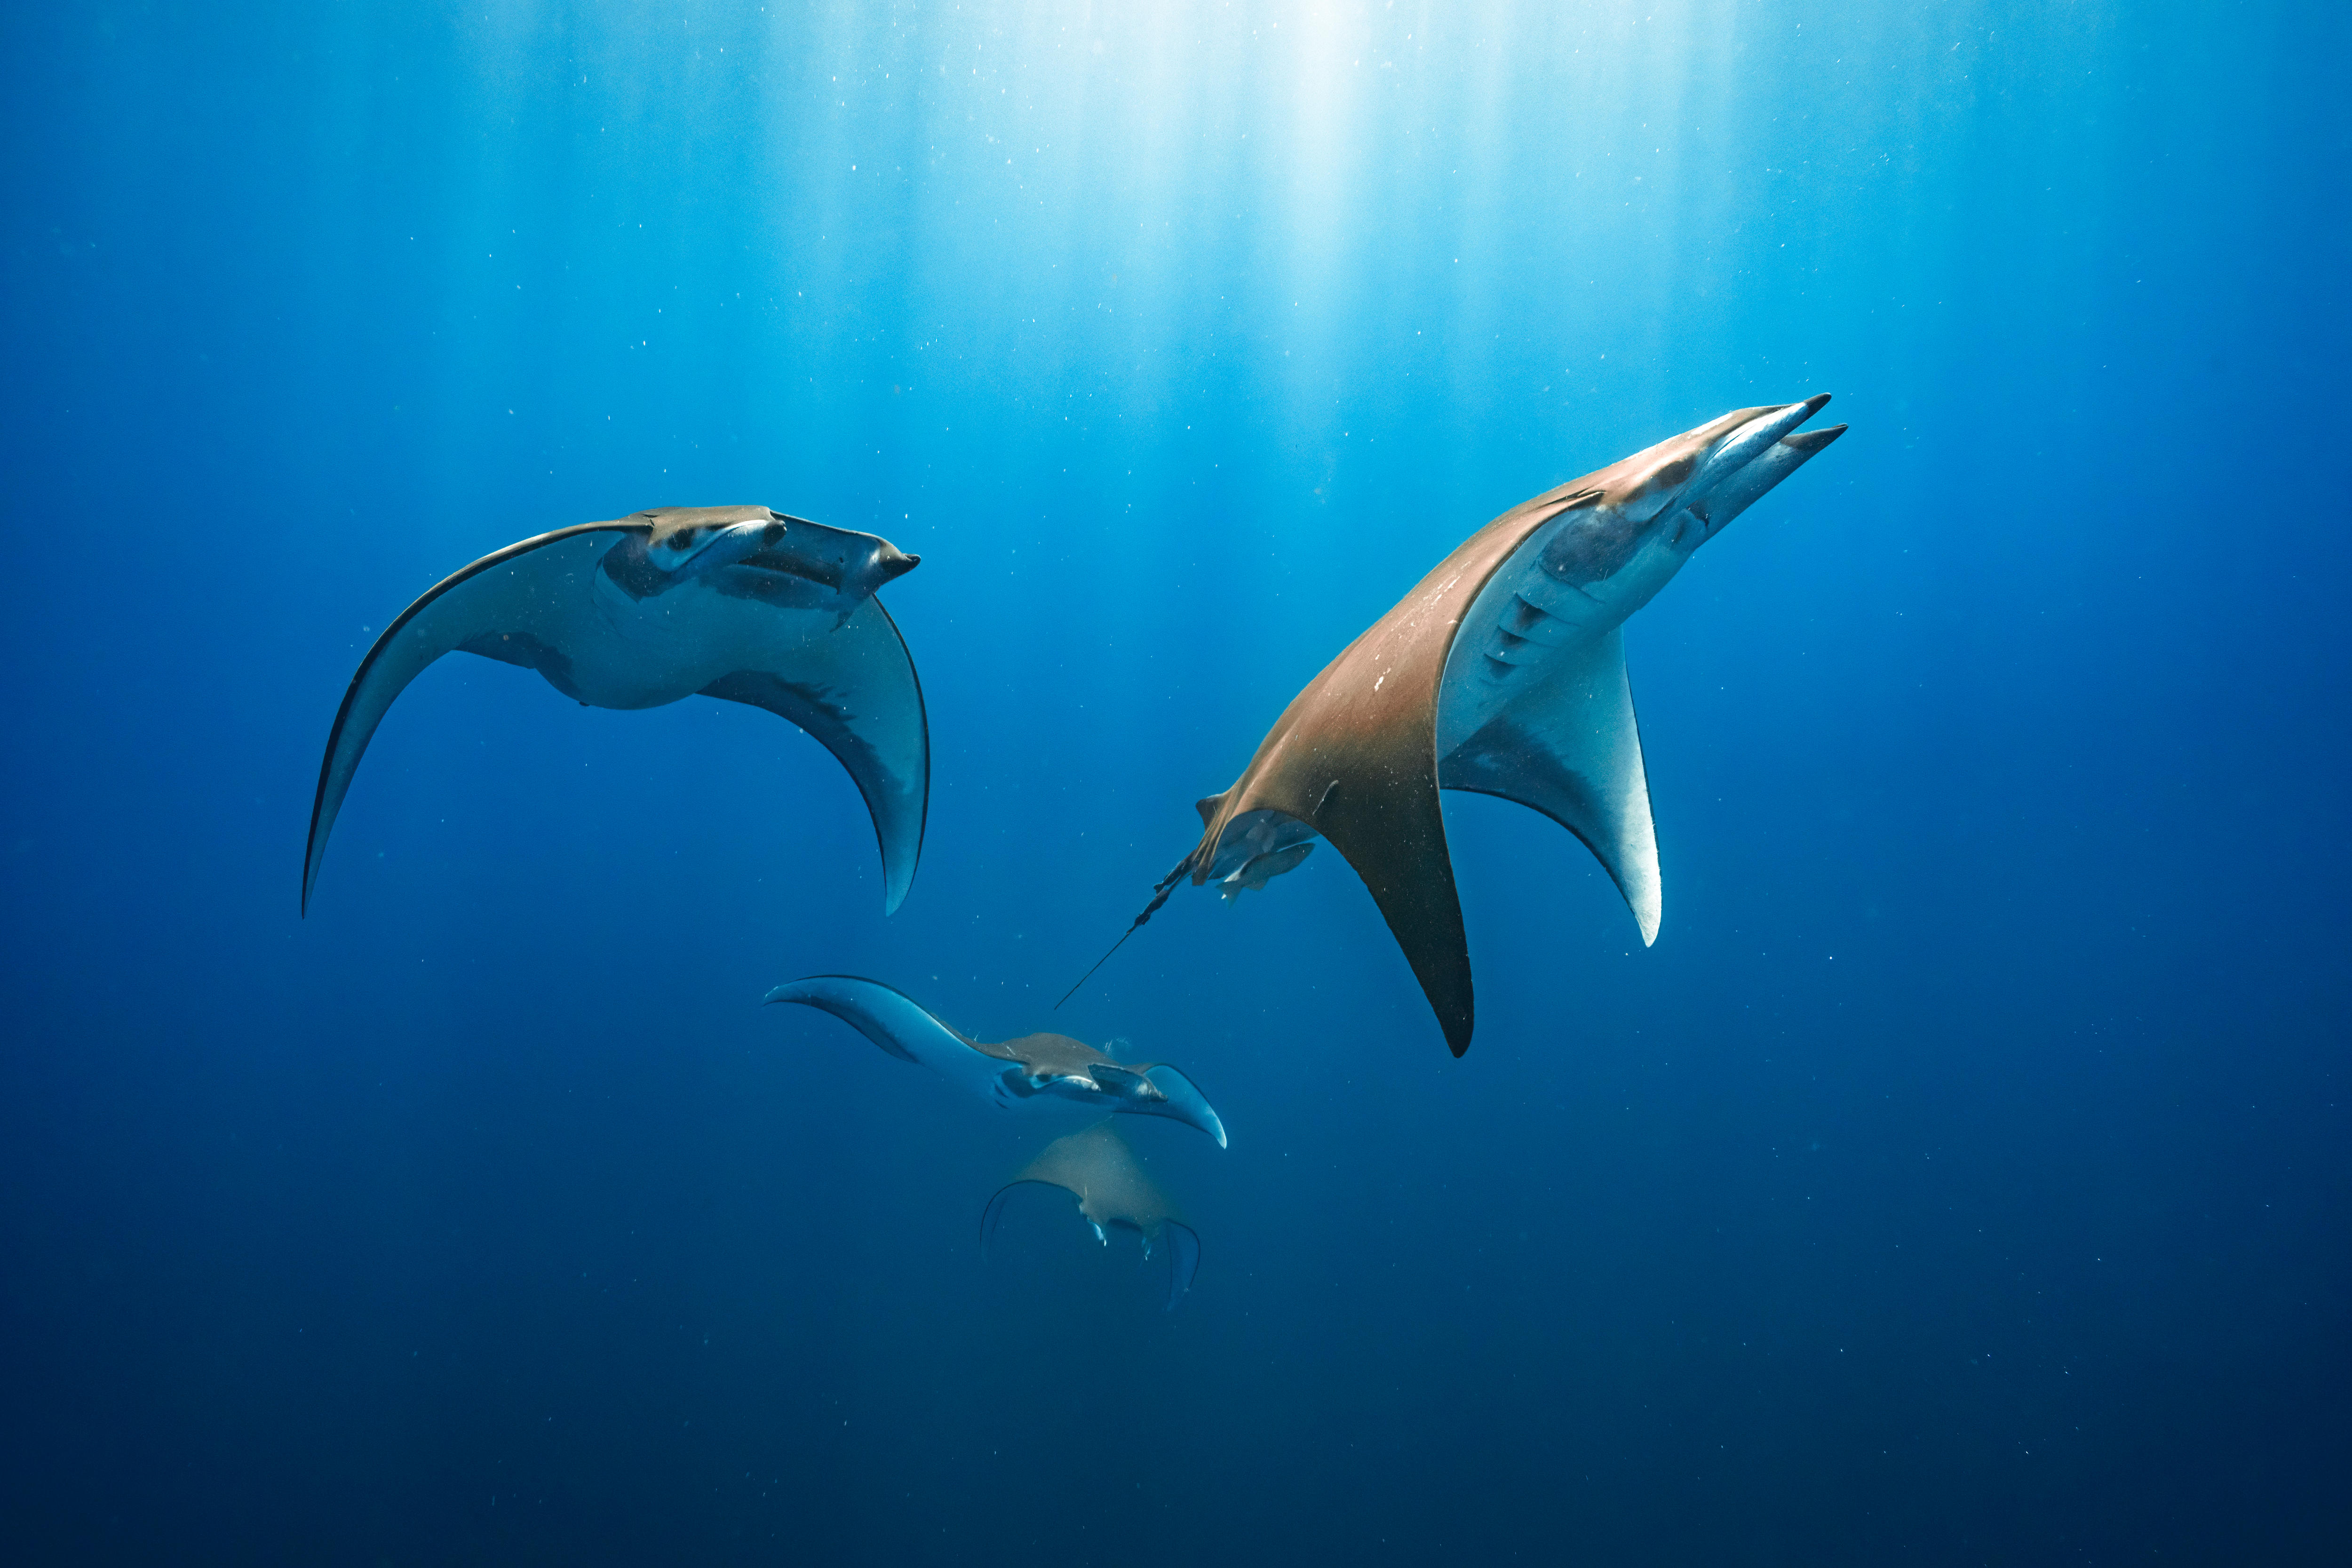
[[991, 1214], [899, 865], [1457, 1010], [1184, 1261], [1458, 1031], [314, 851], [1212, 1123], [1201, 1115]]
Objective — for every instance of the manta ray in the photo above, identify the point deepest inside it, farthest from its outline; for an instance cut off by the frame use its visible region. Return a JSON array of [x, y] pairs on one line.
[[1035, 1073], [1502, 673], [734, 602], [1095, 1166]]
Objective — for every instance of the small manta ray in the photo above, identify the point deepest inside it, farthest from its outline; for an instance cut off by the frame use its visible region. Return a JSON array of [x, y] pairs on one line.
[[733, 602], [1096, 1167], [1503, 673], [1039, 1072]]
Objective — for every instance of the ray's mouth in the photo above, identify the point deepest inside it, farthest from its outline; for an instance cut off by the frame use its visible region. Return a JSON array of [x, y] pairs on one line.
[[1751, 460]]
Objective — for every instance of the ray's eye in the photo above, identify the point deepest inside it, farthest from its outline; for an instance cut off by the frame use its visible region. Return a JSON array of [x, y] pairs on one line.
[[683, 538], [772, 533]]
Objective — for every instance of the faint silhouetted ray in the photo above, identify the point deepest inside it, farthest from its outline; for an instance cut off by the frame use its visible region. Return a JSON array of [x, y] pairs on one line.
[[1095, 1166]]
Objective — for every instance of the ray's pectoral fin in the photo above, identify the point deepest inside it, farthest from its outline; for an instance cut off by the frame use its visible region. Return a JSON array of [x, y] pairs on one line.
[[856, 691], [510, 606], [1572, 750], [1374, 795], [900, 1026], [1160, 1090], [1183, 1244], [995, 1212], [1388, 824]]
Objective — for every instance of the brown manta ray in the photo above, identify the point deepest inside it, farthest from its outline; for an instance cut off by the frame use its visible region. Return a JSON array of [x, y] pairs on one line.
[[1502, 673]]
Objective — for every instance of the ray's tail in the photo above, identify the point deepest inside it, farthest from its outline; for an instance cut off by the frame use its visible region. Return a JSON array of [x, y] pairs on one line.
[[1167, 885]]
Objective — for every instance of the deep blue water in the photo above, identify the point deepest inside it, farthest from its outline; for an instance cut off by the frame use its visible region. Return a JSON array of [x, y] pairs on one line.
[[1961, 1178]]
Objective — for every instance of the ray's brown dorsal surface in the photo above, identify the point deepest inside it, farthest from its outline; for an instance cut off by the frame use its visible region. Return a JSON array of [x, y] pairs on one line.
[[1355, 754], [1355, 757]]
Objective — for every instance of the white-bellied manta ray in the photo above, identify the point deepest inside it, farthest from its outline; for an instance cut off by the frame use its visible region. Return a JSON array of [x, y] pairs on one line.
[[1502, 673], [1034, 1073], [732, 602], [1095, 1166]]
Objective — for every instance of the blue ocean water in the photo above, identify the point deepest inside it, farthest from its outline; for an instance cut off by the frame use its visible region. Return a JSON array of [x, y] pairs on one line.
[[1962, 1177]]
